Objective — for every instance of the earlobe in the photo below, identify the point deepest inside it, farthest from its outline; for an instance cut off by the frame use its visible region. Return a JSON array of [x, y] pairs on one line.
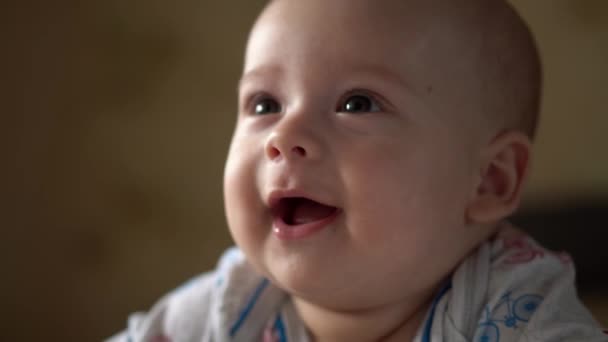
[[502, 173]]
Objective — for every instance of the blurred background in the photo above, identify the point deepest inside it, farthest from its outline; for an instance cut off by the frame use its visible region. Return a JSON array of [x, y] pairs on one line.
[[115, 124]]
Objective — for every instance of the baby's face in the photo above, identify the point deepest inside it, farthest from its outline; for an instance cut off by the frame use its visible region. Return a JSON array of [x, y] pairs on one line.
[[340, 106]]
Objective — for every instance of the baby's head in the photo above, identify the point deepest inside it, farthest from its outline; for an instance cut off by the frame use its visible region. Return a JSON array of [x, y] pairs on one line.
[[378, 142]]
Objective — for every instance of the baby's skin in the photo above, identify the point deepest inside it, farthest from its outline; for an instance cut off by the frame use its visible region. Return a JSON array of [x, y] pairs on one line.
[[377, 144]]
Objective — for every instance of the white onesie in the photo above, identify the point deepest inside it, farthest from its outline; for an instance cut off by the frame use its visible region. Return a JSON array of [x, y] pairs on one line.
[[509, 289]]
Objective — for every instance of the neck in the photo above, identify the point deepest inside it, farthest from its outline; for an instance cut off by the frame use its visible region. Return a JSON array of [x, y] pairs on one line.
[[398, 321]]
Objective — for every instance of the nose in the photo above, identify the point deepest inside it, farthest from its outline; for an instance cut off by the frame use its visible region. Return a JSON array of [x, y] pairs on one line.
[[293, 138]]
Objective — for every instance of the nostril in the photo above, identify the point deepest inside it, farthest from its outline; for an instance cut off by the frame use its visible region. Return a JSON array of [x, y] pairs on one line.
[[273, 152], [299, 150]]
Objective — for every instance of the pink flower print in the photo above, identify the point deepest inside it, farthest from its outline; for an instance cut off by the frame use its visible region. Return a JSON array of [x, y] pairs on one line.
[[270, 335], [524, 250], [564, 257]]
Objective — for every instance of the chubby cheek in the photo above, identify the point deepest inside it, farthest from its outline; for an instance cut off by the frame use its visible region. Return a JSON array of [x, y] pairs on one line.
[[407, 200], [243, 204]]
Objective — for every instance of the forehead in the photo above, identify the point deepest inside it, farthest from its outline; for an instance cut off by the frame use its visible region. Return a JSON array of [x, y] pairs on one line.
[[332, 34]]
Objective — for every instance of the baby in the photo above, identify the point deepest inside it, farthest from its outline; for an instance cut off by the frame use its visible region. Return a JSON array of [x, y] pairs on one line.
[[379, 147]]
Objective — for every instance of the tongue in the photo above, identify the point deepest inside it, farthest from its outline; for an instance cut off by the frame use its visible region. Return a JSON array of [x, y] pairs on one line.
[[305, 211]]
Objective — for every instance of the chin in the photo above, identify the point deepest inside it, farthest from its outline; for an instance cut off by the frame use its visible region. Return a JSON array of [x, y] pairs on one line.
[[299, 278]]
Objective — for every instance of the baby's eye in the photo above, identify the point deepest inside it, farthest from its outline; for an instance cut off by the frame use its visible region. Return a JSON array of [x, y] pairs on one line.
[[358, 104], [265, 106]]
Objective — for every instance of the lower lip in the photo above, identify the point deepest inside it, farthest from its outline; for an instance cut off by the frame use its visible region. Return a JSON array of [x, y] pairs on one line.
[[288, 232]]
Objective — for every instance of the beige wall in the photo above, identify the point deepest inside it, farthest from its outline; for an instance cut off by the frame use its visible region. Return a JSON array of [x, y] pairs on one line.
[[570, 152], [116, 121]]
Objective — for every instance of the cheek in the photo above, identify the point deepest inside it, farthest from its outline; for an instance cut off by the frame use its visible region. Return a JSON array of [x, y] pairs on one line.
[[242, 200], [416, 190], [406, 205]]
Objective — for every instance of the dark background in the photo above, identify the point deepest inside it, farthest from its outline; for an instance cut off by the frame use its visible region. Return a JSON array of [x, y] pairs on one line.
[[116, 117]]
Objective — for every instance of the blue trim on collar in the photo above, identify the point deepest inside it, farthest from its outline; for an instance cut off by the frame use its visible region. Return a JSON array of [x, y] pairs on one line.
[[279, 327], [256, 295], [426, 337]]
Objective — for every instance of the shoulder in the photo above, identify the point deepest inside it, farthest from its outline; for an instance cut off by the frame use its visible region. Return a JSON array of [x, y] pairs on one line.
[[531, 293], [193, 310], [512, 289], [516, 258]]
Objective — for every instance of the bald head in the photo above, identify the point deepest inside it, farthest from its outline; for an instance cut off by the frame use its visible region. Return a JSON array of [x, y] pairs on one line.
[[479, 56], [510, 72]]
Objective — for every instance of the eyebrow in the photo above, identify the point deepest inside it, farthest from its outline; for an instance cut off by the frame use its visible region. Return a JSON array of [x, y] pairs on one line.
[[373, 70], [259, 73]]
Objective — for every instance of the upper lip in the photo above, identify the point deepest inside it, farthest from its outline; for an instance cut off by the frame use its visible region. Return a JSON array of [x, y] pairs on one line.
[[276, 196]]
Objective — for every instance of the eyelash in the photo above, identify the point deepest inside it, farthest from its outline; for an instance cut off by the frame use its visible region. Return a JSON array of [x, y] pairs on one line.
[[373, 97], [255, 99]]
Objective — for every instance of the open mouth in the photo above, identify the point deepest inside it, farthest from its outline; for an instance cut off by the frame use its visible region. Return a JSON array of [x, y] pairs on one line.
[[295, 211]]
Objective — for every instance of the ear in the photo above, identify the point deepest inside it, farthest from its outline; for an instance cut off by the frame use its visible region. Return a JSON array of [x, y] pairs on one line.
[[503, 170]]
